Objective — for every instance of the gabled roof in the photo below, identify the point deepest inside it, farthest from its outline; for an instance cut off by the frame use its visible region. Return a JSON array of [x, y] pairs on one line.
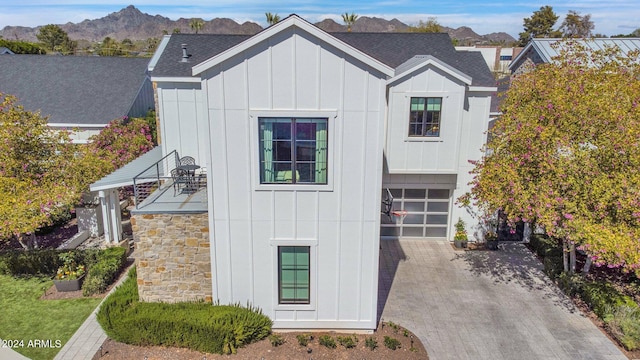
[[390, 49], [294, 21], [82, 90], [545, 49], [5, 51], [420, 61]]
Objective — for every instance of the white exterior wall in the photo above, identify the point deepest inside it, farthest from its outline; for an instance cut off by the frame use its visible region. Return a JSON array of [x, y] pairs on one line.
[[438, 162], [424, 155], [183, 121], [295, 74]]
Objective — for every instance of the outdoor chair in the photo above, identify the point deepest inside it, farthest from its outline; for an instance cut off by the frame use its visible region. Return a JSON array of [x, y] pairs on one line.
[[187, 160], [179, 179]]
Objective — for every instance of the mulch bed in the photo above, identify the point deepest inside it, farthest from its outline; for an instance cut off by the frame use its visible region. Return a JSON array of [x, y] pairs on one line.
[[289, 350]]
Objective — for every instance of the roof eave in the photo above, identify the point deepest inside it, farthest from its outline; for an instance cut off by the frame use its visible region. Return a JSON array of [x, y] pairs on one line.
[[430, 60]]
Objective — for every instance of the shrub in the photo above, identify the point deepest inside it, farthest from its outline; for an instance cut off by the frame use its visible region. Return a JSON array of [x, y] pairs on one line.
[[391, 343], [102, 273], [571, 284], [601, 297], [553, 266], [43, 262], [624, 323], [199, 326], [326, 340], [348, 341], [371, 343], [303, 339], [276, 340]]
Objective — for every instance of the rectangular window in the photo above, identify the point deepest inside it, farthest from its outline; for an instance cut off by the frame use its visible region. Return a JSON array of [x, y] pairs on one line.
[[293, 274], [293, 150], [505, 57], [424, 118]]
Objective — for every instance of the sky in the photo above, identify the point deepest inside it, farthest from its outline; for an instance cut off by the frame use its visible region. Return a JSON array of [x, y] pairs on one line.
[[610, 17]]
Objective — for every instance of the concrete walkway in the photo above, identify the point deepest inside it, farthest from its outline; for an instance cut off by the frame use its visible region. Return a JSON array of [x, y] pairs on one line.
[[483, 304], [86, 341]]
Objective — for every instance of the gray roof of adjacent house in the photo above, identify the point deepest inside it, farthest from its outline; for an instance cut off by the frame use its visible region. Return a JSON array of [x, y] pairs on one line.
[[82, 90], [545, 49], [392, 49], [4, 51]]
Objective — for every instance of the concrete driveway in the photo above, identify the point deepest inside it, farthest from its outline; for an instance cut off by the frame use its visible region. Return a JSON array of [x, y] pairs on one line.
[[483, 304]]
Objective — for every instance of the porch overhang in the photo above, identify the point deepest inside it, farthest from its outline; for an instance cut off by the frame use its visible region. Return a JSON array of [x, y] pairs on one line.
[[124, 175]]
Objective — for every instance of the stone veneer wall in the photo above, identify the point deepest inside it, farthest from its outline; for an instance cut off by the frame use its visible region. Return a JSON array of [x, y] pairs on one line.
[[172, 257]]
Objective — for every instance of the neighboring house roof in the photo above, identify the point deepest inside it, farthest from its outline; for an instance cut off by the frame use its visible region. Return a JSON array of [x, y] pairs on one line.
[[390, 49], [4, 51], [80, 90], [543, 50]]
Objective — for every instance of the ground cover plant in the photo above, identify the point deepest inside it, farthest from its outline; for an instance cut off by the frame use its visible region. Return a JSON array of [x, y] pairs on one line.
[[26, 318], [198, 325]]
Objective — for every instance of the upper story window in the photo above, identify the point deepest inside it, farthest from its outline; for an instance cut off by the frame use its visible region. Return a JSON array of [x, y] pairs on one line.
[[505, 57], [424, 117], [293, 150]]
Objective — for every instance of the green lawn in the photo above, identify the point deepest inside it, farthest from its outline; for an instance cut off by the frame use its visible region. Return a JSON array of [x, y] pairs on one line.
[[24, 317]]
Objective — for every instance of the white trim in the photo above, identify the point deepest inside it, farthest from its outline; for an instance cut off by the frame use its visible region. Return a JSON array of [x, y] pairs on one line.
[[430, 60], [176, 79], [292, 21], [330, 115], [313, 273], [158, 53], [72, 125], [343, 326], [482, 88]]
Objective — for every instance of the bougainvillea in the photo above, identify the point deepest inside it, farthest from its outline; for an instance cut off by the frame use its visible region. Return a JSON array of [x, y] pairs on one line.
[[42, 173], [566, 154]]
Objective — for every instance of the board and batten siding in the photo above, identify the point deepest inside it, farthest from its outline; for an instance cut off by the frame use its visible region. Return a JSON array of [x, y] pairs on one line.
[[424, 155], [293, 73], [183, 121]]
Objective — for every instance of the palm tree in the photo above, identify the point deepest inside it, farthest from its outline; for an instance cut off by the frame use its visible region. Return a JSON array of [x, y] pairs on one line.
[[349, 20], [272, 19], [196, 24]]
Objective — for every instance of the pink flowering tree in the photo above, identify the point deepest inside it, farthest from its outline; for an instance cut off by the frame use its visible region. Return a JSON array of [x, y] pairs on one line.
[[565, 155], [33, 163]]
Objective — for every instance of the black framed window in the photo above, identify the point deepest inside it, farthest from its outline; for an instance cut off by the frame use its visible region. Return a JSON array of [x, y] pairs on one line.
[[293, 150], [424, 118], [294, 272]]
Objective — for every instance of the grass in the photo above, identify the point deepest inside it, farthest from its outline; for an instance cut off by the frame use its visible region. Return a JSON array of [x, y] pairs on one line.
[[25, 317]]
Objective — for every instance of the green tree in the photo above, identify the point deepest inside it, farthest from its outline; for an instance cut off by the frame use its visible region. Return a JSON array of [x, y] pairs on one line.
[[36, 176], [565, 154], [110, 47], [577, 26], [272, 19], [22, 47], [196, 24], [540, 24], [53, 38], [430, 26], [349, 20]]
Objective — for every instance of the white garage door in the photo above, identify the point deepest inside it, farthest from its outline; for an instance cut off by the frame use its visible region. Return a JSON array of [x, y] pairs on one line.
[[427, 213]]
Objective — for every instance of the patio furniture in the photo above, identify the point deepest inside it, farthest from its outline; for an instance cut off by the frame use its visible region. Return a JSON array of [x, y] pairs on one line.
[[189, 173], [187, 160], [180, 178]]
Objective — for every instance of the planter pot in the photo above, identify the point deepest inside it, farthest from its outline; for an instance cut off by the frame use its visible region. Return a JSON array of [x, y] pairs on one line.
[[492, 245], [69, 285], [460, 243]]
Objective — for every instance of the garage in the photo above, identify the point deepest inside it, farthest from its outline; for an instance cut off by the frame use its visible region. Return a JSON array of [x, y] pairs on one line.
[[415, 212]]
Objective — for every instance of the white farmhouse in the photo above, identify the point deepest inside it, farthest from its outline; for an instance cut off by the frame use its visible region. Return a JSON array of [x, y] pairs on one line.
[[298, 136]]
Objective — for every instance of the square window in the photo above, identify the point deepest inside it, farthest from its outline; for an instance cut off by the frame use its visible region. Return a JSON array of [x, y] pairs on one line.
[[294, 275], [293, 150]]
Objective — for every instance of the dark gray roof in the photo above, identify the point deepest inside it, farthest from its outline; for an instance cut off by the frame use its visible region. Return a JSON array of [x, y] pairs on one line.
[[74, 89], [391, 49]]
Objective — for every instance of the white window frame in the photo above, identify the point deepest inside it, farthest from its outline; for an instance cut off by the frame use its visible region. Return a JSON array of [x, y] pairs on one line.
[[332, 119], [406, 113]]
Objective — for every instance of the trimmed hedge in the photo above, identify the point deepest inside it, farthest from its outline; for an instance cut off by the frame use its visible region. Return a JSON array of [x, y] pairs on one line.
[[103, 272], [42, 262], [199, 326]]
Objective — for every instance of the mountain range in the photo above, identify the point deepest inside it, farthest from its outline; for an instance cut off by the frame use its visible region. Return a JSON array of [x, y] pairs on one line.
[[131, 23]]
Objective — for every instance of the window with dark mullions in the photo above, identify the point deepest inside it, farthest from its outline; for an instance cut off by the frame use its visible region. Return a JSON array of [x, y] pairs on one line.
[[424, 116], [293, 150], [294, 266]]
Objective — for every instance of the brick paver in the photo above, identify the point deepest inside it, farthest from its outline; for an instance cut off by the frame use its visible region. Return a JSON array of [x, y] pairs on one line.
[[483, 304]]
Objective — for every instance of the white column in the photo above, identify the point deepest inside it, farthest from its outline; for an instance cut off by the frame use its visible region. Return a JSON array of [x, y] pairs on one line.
[[114, 208], [106, 214]]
